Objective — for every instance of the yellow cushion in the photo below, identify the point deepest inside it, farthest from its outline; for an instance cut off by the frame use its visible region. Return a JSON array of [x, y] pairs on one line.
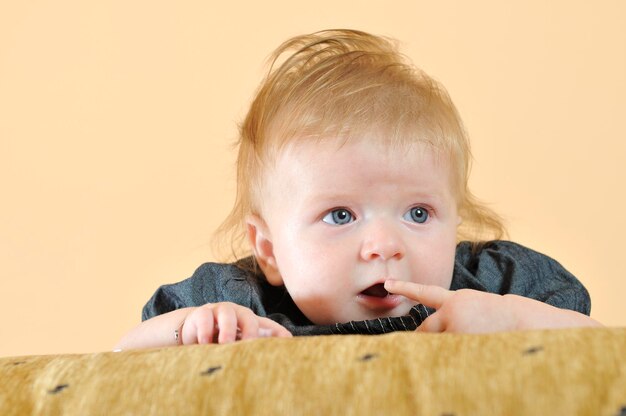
[[556, 372]]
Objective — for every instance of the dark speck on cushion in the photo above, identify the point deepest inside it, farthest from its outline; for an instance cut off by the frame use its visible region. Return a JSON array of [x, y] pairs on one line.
[[58, 388], [211, 370], [533, 350]]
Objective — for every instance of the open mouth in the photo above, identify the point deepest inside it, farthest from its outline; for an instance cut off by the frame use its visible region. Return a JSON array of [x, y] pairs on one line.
[[378, 290]]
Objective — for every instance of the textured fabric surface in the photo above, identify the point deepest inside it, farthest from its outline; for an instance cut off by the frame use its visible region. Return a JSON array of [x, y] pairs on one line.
[[553, 372], [497, 267]]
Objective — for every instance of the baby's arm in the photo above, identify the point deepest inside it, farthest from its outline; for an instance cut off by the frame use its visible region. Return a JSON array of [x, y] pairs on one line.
[[468, 310], [221, 322]]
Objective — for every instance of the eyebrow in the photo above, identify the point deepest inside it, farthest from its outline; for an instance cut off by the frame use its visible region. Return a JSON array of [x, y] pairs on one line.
[[324, 197]]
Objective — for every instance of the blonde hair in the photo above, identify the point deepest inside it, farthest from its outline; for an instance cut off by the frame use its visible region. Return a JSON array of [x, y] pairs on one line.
[[349, 84]]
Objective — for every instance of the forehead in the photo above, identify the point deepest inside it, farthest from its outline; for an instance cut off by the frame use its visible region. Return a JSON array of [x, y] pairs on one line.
[[331, 152], [335, 166]]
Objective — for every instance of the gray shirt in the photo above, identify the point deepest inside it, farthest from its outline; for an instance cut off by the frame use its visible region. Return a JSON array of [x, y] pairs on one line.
[[497, 267]]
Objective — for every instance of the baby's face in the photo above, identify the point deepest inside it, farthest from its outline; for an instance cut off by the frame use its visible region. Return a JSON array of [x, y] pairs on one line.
[[342, 220]]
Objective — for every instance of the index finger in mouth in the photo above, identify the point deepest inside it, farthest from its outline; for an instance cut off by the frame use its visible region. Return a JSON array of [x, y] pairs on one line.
[[429, 295]]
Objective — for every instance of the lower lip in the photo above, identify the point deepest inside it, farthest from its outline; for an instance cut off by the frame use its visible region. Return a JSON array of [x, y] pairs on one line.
[[388, 302]]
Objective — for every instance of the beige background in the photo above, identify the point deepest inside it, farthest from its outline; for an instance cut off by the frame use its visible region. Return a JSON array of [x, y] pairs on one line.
[[116, 120]]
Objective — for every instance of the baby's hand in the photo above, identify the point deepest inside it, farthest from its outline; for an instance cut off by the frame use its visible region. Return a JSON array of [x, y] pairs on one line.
[[463, 310], [226, 322], [468, 310]]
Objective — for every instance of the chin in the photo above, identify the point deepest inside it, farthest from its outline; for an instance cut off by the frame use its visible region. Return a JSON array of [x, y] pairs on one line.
[[400, 310]]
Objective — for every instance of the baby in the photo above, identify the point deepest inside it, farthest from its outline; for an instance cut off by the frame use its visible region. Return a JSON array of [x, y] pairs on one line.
[[353, 197]]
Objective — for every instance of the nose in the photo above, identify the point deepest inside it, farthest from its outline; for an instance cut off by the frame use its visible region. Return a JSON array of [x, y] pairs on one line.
[[382, 242]]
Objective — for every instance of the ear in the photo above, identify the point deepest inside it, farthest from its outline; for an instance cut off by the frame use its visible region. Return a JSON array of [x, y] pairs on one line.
[[261, 243]]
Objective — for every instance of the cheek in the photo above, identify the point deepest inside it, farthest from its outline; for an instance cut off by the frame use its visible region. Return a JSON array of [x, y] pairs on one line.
[[297, 262], [436, 270], [312, 268], [433, 260]]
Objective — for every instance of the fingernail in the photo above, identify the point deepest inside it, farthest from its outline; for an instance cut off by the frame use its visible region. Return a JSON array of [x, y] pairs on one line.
[[265, 332]]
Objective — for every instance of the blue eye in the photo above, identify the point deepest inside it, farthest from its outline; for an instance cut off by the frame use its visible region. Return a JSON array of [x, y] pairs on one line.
[[338, 216], [417, 214]]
